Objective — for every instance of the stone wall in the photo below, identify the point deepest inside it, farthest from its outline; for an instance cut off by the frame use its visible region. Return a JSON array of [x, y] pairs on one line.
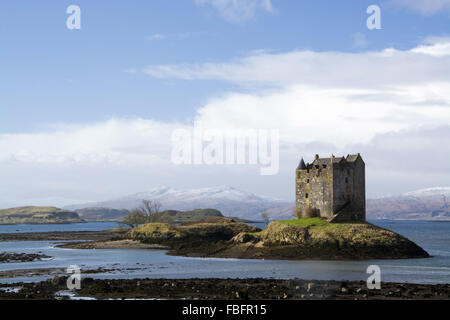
[[333, 188], [314, 189]]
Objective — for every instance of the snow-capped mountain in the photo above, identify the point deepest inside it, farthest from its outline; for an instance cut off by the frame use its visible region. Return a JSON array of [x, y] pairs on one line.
[[436, 191], [230, 201], [425, 204]]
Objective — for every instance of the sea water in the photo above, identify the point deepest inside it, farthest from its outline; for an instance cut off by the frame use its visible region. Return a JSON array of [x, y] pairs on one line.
[[434, 237]]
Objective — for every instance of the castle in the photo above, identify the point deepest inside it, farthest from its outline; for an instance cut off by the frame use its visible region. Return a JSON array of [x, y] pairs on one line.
[[332, 188]]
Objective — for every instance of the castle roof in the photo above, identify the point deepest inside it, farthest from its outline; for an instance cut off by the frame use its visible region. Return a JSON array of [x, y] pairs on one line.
[[326, 161], [352, 157], [302, 164]]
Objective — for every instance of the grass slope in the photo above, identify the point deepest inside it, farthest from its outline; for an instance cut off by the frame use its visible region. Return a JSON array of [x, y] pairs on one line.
[[38, 215]]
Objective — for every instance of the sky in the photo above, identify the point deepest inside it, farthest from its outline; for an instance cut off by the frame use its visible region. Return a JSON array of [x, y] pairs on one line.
[[88, 114]]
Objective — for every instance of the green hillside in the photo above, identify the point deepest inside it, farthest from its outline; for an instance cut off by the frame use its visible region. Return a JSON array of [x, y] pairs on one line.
[[38, 215]]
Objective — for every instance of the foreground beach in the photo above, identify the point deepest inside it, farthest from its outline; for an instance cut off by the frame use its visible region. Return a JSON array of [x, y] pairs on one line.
[[221, 289]]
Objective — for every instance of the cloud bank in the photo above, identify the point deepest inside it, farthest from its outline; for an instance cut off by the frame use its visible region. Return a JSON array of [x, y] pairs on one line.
[[392, 106]]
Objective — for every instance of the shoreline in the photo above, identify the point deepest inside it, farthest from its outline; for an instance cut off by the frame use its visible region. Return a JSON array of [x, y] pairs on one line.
[[111, 244], [61, 236], [223, 289]]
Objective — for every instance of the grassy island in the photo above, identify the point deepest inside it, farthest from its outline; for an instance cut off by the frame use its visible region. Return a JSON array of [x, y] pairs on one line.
[[38, 215]]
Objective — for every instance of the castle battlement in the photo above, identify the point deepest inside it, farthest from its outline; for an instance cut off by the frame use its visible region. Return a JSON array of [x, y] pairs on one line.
[[333, 188]]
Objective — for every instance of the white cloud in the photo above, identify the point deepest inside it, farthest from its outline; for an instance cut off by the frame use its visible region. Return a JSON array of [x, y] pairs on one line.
[[238, 10], [391, 105], [114, 141], [436, 47], [340, 102], [420, 65], [424, 6], [337, 116]]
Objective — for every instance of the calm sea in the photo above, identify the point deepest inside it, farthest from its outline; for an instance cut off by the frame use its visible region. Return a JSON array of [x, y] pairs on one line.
[[434, 237]]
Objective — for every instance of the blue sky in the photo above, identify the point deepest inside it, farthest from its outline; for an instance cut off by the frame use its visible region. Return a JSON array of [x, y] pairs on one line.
[[79, 76], [55, 80]]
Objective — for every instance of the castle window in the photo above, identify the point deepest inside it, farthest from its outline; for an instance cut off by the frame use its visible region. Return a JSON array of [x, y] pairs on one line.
[[307, 180], [306, 196], [346, 180], [324, 166]]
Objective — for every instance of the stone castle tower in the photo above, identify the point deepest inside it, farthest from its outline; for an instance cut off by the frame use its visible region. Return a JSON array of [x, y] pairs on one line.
[[333, 188]]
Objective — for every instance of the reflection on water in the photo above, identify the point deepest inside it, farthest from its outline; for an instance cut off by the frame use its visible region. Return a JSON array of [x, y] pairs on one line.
[[432, 236]]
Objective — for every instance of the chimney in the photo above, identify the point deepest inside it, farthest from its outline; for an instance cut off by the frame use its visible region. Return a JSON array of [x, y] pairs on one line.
[[317, 157]]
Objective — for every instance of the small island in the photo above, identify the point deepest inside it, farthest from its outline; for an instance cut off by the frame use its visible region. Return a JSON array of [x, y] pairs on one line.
[[38, 215]]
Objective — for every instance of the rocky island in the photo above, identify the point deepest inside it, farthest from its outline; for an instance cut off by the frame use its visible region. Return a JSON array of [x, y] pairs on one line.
[[299, 239]]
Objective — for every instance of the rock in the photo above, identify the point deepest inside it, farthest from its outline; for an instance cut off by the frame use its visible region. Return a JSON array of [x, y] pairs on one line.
[[243, 237], [213, 229]]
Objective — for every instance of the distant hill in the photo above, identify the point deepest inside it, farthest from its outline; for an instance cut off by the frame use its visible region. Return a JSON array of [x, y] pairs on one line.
[[174, 216], [230, 201], [424, 204], [101, 214], [38, 215]]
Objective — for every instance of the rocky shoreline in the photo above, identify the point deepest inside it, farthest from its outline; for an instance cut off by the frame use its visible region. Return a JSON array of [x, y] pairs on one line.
[[223, 289], [7, 257]]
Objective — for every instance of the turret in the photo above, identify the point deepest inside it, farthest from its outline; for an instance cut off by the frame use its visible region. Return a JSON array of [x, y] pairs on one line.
[[301, 165]]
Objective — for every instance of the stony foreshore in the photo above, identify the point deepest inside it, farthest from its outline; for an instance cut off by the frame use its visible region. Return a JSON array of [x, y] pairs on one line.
[[7, 257], [223, 289]]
